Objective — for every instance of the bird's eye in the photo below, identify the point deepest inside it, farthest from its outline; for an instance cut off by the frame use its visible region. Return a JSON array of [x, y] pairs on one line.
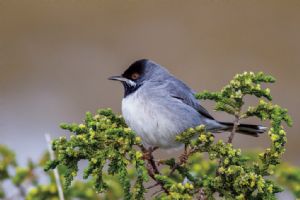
[[135, 76]]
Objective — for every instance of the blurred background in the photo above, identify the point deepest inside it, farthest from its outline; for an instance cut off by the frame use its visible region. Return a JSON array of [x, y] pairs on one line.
[[55, 57]]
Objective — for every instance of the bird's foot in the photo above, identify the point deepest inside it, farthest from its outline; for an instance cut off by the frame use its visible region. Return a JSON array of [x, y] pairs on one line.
[[147, 153]]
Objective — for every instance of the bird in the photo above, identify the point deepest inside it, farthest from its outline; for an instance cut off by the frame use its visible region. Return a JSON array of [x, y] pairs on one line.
[[157, 106]]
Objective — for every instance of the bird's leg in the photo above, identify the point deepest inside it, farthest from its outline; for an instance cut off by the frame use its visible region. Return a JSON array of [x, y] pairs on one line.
[[151, 165], [147, 153], [151, 159], [148, 156]]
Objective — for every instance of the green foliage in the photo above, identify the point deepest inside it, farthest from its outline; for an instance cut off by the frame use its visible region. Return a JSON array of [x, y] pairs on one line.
[[235, 178], [231, 97], [7, 159], [28, 184], [78, 190], [108, 145], [284, 174], [289, 176]]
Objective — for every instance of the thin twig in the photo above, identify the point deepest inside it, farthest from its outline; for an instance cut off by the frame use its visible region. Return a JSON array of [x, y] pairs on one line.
[[234, 128], [152, 161], [56, 173], [157, 192], [183, 159], [152, 186], [231, 136]]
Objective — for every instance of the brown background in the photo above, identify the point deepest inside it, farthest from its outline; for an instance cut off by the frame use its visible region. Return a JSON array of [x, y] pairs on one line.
[[55, 57]]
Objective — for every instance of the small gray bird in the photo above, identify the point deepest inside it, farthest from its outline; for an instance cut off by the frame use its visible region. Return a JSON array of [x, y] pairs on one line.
[[158, 106]]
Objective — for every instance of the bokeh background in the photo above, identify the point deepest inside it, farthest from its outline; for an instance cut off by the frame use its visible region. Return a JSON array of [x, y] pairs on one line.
[[55, 57]]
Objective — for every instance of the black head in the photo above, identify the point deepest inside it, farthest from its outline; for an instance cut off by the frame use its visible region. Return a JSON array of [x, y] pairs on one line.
[[136, 70], [136, 75]]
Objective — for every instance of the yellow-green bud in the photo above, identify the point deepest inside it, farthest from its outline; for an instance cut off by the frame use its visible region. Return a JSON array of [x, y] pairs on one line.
[[96, 117], [202, 138], [138, 155], [127, 130], [138, 139], [274, 137], [81, 126], [94, 160]]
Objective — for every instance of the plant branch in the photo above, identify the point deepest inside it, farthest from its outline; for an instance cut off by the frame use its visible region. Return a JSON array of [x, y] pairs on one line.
[[231, 136], [182, 159], [235, 125], [152, 186], [152, 167]]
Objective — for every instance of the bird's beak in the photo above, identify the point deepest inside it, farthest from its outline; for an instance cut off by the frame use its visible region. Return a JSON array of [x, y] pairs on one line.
[[123, 80], [118, 78]]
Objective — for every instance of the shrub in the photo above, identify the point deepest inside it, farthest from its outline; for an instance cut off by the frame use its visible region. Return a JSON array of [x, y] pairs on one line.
[[113, 149]]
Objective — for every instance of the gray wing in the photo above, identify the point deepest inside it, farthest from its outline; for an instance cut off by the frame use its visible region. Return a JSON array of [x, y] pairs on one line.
[[181, 91]]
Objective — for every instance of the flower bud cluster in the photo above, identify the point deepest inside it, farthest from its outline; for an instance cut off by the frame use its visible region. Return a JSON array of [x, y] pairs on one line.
[[102, 139]]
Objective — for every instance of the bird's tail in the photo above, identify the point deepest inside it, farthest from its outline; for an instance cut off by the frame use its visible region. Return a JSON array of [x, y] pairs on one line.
[[246, 129]]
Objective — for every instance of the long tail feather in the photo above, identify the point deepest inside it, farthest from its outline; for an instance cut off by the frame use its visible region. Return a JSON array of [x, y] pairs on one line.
[[247, 129]]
